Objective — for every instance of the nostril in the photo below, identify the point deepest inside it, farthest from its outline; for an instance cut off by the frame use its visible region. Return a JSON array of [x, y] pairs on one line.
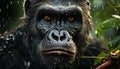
[[55, 37], [63, 37], [59, 36]]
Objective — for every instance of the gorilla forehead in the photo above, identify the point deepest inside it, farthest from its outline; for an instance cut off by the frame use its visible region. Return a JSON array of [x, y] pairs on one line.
[[60, 8], [58, 1]]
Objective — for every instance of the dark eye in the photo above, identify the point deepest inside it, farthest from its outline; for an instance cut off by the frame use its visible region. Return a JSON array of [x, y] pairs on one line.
[[88, 3], [70, 19], [47, 18]]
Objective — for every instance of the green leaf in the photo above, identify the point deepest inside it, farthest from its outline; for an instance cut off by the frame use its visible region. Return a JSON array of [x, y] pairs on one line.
[[101, 56]]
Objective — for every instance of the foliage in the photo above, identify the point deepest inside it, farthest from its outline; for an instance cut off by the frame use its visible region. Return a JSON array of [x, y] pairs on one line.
[[106, 19]]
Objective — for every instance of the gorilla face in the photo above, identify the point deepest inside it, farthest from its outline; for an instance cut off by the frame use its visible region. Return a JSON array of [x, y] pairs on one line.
[[56, 30], [59, 25]]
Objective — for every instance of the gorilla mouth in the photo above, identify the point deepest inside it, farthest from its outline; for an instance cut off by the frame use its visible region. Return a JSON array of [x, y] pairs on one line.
[[58, 52], [66, 54]]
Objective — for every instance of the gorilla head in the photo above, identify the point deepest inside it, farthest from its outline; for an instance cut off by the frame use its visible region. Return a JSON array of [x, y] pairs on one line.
[[56, 31]]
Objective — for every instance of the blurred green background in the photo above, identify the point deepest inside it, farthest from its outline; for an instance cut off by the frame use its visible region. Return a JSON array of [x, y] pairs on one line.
[[106, 22], [105, 17]]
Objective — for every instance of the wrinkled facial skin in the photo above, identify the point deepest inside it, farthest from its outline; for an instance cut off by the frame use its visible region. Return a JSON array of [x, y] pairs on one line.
[[53, 33], [59, 24]]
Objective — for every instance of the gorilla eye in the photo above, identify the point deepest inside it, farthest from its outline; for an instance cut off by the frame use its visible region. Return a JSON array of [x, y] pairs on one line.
[[47, 18], [70, 19]]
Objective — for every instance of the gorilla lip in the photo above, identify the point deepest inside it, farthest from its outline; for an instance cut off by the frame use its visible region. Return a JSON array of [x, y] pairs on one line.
[[58, 52]]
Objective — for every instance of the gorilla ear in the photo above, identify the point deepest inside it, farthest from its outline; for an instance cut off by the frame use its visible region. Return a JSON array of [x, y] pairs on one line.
[[27, 5]]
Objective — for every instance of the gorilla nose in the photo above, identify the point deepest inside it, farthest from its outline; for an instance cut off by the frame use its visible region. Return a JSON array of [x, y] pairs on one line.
[[59, 36]]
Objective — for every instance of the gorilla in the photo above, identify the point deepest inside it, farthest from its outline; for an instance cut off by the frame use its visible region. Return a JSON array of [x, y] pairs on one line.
[[55, 34]]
